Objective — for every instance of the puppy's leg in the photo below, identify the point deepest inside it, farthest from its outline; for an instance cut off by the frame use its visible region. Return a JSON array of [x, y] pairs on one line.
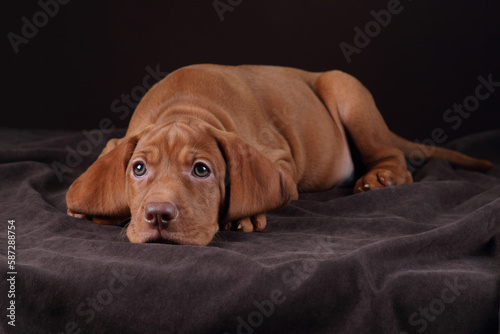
[[352, 105], [255, 223]]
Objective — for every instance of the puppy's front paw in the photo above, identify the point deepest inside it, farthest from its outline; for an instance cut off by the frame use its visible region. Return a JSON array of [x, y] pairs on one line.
[[381, 178], [78, 215], [255, 223]]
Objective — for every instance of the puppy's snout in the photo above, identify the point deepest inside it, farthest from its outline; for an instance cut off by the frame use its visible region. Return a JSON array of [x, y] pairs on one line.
[[160, 213]]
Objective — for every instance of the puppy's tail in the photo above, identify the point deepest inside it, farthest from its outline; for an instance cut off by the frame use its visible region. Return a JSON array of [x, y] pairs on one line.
[[420, 152]]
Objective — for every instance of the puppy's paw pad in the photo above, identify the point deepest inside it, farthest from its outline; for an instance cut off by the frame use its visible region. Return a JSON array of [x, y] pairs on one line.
[[255, 223], [259, 222], [242, 225], [77, 215], [374, 179], [386, 178]]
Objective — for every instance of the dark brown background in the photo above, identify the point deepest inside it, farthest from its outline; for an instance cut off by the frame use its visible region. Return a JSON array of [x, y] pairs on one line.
[[91, 52]]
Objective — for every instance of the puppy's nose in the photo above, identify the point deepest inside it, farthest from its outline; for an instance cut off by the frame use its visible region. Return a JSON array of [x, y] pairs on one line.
[[160, 213]]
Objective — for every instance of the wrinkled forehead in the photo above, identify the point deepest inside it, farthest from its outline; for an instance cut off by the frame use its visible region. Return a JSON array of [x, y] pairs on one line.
[[175, 140]]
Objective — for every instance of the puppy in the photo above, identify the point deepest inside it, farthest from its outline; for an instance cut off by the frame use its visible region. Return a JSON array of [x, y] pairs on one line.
[[213, 147]]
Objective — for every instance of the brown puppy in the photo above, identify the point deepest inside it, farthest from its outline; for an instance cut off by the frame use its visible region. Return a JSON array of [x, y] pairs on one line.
[[210, 146]]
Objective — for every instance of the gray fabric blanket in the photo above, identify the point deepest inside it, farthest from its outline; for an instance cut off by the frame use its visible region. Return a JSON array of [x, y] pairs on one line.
[[416, 258]]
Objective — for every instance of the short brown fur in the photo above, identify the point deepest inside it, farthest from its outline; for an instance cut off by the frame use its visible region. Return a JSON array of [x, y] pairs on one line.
[[264, 132]]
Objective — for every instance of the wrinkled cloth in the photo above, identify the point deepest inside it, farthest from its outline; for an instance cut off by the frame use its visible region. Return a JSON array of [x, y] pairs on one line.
[[415, 258]]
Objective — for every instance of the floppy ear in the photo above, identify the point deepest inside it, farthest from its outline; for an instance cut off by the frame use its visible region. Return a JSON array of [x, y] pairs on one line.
[[100, 191], [255, 185]]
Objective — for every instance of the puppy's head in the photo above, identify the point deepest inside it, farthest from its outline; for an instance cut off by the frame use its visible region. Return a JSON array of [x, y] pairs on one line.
[[179, 181]]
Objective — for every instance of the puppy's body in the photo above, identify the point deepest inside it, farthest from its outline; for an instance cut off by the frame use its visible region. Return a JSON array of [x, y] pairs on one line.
[[263, 133], [274, 109]]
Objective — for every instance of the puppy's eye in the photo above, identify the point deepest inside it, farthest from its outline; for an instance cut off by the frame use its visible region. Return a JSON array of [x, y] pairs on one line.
[[139, 169], [201, 170]]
